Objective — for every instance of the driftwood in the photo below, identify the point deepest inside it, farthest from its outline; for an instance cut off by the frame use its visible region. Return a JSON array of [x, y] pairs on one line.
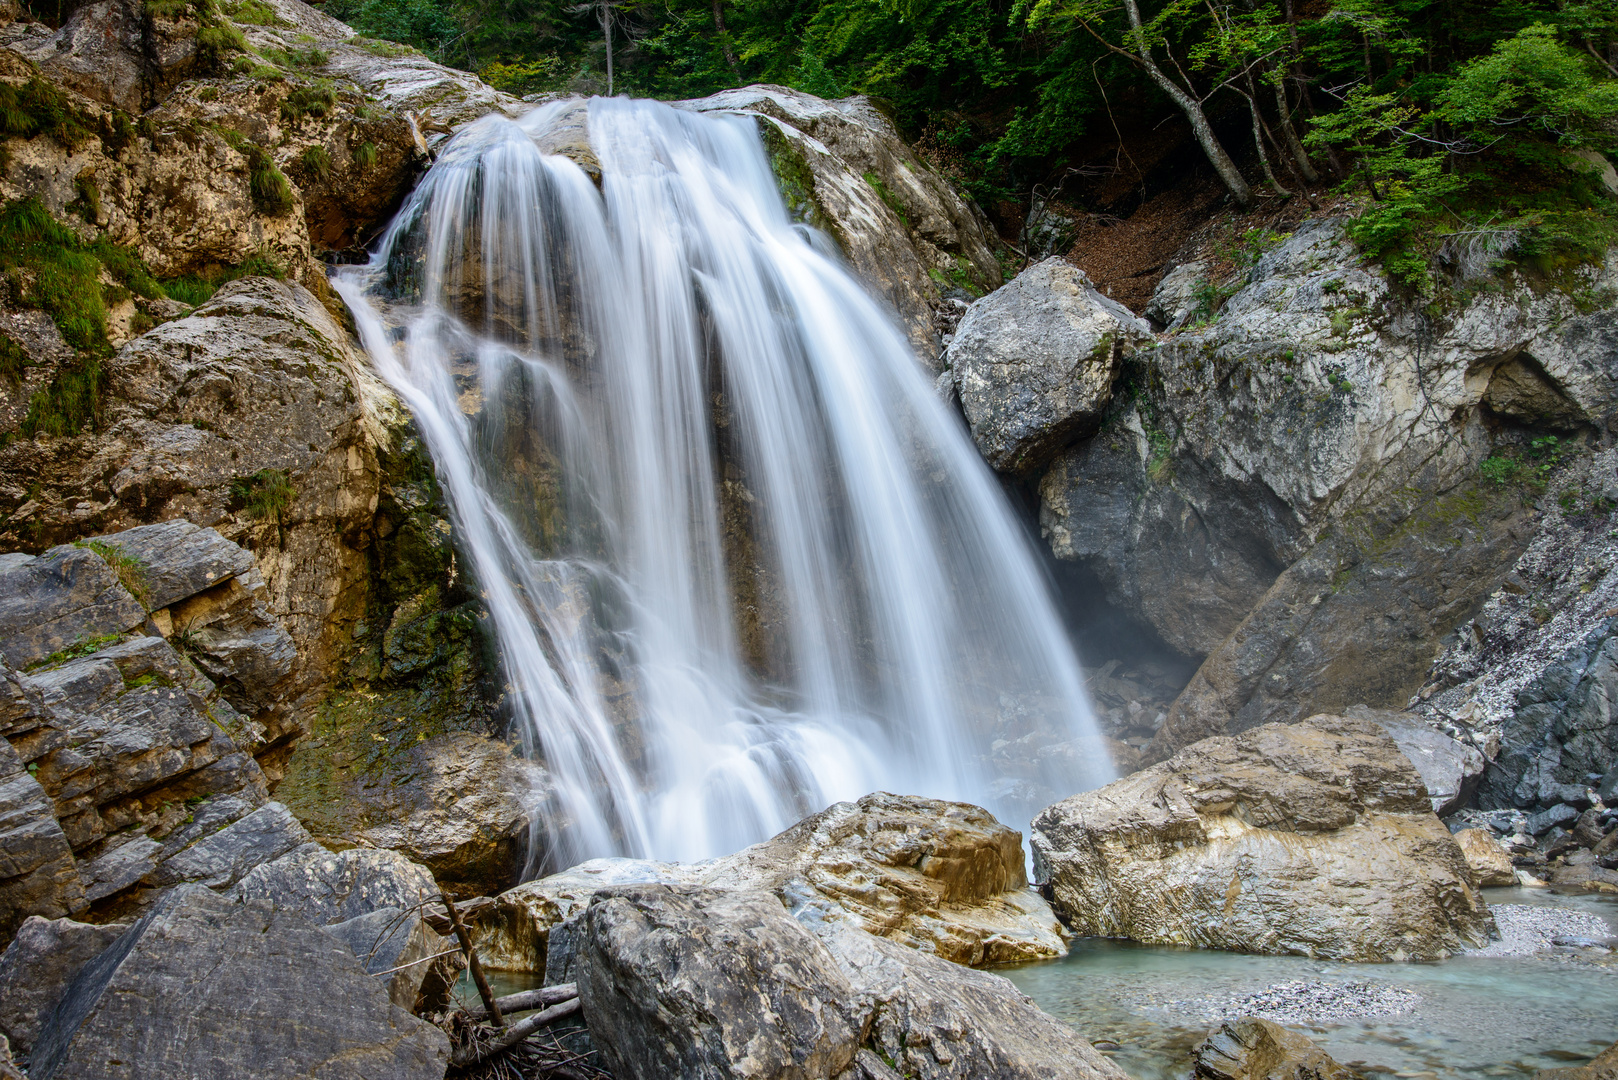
[[531, 999], [471, 1053], [489, 1003]]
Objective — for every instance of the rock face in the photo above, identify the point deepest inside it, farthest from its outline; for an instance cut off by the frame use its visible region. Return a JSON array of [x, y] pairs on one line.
[[941, 877], [1254, 1049], [686, 980], [1315, 838], [392, 940], [699, 982], [844, 170], [1292, 491], [37, 966], [462, 810], [122, 755], [1034, 363], [238, 980]]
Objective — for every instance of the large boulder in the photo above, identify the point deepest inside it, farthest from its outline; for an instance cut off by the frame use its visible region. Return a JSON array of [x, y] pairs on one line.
[[399, 944], [687, 980], [844, 169], [38, 965], [942, 877], [1034, 363], [680, 981], [934, 1020], [1249, 1048], [1315, 838], [205, 986]]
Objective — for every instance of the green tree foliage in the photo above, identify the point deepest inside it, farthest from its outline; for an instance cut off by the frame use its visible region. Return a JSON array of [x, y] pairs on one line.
[[1443, 117]]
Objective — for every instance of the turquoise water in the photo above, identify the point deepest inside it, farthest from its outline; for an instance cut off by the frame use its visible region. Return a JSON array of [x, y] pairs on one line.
[[1474, 1016]]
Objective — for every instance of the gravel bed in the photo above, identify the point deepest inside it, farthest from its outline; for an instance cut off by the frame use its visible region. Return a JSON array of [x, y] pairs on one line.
[[1305, 1001], [1526, 929]]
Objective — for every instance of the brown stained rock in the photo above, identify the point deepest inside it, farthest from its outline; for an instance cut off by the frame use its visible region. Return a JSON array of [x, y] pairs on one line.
[[1488, 860], [940, 877], [1315, 839], [1252, 1049], [1034, 363]]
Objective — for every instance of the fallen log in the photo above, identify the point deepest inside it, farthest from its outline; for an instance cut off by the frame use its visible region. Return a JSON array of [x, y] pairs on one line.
[[471, 1053], [530, 999]]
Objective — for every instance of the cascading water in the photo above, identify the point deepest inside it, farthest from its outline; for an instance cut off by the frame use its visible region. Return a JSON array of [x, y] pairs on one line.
[[739, 559]]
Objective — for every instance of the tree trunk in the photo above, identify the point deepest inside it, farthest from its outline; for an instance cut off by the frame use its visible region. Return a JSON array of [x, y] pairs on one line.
[[606, 30], [1223, 165], [724, 39], [1258, 141], [1290, 134]]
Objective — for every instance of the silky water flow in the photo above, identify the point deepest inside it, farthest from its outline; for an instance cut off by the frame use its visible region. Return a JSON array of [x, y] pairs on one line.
[[739, 560]]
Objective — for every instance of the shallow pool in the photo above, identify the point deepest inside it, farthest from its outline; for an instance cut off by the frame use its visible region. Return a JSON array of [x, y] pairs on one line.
[[1469, 1016]]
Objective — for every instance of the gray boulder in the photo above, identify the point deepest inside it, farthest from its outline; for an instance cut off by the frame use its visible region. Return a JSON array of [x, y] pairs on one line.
[[221, 859], [935, 1020], [686, 981], [209, 988], [64, 597], [1175, 299], [399, 942], [1450, 768], [335, 886], [1035, 361], [38, 965]]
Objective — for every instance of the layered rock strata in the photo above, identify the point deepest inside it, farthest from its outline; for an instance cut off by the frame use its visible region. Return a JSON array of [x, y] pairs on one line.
[[1316, 838]]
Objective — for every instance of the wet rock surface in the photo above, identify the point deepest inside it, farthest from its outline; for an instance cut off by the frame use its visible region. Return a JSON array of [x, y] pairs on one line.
[[1211, 847], [238, 980], [1603, 1067], [1034, 362]]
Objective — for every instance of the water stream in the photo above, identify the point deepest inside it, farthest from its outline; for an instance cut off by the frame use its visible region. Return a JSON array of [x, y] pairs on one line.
[[1465, 1018], [739, 560]]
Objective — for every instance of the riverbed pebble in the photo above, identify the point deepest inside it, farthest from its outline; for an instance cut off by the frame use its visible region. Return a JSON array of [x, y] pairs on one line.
[[1526, 929]]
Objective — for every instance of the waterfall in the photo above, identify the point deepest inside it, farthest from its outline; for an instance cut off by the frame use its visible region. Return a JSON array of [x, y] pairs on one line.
[[739, 560]]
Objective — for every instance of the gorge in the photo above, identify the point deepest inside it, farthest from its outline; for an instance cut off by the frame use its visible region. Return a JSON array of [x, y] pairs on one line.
[[595, 586]]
